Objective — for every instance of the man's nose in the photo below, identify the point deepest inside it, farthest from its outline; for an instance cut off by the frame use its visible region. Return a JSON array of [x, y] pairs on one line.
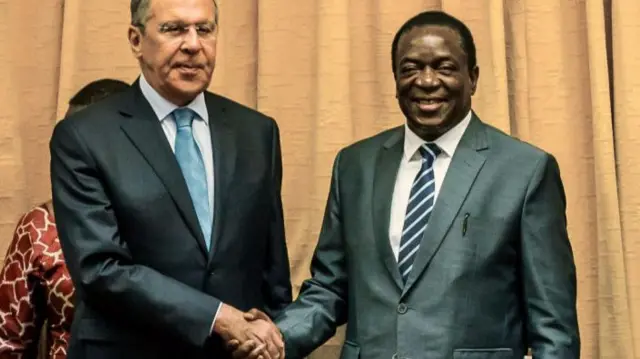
[[191, 40], [428, 78]]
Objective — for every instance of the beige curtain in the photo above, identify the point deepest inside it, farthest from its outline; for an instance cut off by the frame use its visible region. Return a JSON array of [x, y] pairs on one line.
[[563, 74]]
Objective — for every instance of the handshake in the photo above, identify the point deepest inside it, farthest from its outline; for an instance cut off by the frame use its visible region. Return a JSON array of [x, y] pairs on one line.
[[250, 335]]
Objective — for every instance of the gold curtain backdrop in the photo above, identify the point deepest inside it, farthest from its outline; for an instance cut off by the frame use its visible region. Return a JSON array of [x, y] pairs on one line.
[[562, 74]]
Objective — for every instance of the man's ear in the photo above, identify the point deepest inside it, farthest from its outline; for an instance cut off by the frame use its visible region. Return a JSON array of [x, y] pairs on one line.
[[135, 40], [475, 75]]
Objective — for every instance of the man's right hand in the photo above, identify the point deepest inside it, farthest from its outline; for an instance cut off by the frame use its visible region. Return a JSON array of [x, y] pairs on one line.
[[249, 350], [262, 336]]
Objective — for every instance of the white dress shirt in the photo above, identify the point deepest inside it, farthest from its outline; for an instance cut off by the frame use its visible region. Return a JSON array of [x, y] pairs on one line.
[[410, 166], [163, 109]]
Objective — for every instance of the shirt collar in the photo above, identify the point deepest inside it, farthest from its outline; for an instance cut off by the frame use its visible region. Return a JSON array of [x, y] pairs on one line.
[[448, 142], [163, 108]]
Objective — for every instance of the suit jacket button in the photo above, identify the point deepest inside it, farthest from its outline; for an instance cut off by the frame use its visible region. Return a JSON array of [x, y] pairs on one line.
[[402, 308]]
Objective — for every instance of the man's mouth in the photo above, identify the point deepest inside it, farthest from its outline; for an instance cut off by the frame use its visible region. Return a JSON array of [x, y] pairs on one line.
[[429, 105], [187, 68]]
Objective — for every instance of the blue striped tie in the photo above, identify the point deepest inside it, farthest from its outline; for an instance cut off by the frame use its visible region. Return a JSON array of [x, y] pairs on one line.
[[421, 201], [192, 166]]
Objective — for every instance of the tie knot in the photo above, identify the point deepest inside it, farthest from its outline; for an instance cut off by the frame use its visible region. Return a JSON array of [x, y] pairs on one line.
[[183, 116], [430, 151]]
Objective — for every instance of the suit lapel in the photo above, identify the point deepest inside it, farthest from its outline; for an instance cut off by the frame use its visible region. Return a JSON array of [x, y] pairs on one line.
[[145, 131], [224, 147], [463, 169], [387, 164]]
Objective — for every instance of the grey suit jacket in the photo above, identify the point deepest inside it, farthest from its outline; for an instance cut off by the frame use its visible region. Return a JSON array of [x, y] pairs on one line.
[[494, 274]]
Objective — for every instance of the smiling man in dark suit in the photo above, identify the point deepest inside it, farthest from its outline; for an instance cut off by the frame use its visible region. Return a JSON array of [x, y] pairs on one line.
[[167, 199], [443, 238]]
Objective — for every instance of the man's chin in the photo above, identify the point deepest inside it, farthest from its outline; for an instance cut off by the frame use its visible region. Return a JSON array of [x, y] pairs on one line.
[[428, 121], [191, 86], [189, 90], [428, 128]]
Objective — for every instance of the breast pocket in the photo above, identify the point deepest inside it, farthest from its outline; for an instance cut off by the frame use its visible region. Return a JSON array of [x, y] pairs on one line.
[[487, 235], [471, 237], [476, 226], [350, 350], [491, 353]]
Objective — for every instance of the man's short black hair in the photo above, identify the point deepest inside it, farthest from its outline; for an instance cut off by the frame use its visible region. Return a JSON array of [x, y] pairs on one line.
[[437, 18], [96, 91]]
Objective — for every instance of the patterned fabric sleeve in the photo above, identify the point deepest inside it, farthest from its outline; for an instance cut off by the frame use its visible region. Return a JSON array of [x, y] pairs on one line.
[[20, 321]]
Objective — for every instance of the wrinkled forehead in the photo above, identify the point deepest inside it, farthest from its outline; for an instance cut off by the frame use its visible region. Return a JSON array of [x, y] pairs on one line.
[[432, 35], [187, 11], [442, 39]]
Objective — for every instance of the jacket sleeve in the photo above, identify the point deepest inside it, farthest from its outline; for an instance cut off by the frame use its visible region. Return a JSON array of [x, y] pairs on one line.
[[21, 291], [321, 307], [549, 273], [277, 281]]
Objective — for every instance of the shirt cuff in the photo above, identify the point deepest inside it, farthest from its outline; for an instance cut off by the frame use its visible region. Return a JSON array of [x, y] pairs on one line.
[[213, 323]]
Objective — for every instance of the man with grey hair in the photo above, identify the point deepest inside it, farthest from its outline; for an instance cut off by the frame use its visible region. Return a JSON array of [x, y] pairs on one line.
[[168, 204]]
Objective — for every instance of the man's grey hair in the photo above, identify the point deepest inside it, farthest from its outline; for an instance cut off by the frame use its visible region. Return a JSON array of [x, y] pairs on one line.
[[140, 12]]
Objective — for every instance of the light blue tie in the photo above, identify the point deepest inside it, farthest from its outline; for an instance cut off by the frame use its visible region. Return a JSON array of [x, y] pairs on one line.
[[190, 161], [421, 201]]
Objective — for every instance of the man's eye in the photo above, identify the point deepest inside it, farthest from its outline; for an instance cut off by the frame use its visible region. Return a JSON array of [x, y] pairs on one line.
[[447, 70], [204, 29], [171, 28]]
